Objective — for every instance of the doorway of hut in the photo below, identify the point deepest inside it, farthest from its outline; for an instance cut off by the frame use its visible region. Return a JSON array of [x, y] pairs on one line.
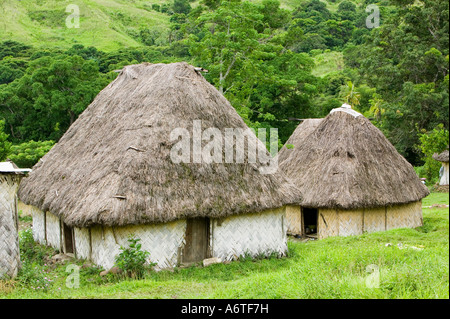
[[310, 222], [197, 246], [68, 239]]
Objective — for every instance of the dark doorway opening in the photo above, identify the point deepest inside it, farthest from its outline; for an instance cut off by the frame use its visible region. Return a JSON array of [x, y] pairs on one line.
[[197, 245], [68, 239], [310, 222]]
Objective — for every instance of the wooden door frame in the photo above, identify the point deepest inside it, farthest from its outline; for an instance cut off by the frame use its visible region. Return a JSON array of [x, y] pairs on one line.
[[207, 252]]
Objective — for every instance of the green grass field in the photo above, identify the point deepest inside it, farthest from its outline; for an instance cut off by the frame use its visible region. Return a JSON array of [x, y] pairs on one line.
[[107, 25], [415, 265]]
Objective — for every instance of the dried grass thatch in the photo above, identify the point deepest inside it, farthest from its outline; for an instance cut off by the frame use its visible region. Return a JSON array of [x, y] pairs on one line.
[[346, 162], [113, 165], [441, 157], [306, 127]]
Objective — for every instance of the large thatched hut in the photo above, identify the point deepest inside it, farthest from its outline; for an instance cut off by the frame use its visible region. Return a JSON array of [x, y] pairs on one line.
[[351, 177], [10, 176], [112, 174], [443, 158]]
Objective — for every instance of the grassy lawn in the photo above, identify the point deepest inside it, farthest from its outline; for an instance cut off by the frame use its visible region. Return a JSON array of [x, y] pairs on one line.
[[415, 265]]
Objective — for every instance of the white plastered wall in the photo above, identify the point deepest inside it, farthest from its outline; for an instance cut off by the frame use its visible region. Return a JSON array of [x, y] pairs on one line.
[[445, 177], [53, 229], [38, 225]]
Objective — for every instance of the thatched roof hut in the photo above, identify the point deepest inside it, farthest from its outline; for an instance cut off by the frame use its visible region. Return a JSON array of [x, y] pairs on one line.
[[444, 173], [10, 176], [347, 164], [113, 167], [441, 157]]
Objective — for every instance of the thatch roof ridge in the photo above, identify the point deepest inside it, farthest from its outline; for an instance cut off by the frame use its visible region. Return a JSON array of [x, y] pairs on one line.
[[441, 157], [113, 166], [347, 163]]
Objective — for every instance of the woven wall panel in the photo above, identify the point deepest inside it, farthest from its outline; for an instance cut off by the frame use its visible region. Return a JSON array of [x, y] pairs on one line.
[[294, 220], [374, 220], [328, 223], [162, 241], [104, 247], [407, 215], [82, 242], [38, 225], [9, 240], [255, 234], [350, 222], [53, 231]]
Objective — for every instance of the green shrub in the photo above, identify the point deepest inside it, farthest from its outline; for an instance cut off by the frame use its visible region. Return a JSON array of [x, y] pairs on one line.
[[133, 260], [50, 18], [34, 273], [30, 250], [156, 7]]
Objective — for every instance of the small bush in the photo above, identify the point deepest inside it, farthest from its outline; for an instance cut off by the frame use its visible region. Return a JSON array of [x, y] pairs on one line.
[[133, 260], [34, 272], [31, 251]]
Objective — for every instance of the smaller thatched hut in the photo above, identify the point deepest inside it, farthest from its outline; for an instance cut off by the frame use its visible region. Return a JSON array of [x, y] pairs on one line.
[[443, 157], [351, 177], [10, 176]]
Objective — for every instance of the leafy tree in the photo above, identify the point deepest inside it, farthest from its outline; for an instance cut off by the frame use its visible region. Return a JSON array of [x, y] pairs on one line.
[[432, 142], [181, 6], [14, 49], [245, 47], [5, 146], [211, 4], [48, 98], [27, 154], [408, 65], [11, 69], [350, 95]]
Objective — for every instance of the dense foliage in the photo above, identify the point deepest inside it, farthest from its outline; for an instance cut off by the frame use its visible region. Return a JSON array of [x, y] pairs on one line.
[[262, 58], [28, 153]]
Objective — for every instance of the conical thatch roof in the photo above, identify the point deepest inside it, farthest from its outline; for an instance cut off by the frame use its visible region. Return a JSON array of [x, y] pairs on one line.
[[347, 163], [441, 157], [302, 131], [113, 165]]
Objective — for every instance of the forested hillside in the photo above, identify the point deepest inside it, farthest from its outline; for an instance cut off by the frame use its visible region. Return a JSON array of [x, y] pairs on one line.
[[274, 61]]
